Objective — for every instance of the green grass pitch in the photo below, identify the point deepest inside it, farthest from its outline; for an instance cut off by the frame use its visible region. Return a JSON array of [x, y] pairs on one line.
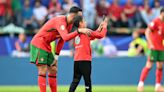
[[79, 89]]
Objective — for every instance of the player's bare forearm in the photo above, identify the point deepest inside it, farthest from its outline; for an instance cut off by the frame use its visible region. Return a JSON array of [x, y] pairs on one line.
[[59, 46]]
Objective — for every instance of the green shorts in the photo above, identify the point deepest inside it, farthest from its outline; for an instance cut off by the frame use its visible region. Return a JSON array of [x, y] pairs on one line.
[[156, 55], [39, 56]]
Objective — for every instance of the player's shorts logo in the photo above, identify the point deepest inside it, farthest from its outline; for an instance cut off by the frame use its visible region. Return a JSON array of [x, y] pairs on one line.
[[42, 59], [77, 40], [62, 27]]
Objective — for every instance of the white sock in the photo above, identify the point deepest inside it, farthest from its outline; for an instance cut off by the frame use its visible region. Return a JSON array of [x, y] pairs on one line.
[[157, 85], [140, 84]]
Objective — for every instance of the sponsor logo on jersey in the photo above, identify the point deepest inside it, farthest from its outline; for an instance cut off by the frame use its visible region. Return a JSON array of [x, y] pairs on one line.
[[77, 40]]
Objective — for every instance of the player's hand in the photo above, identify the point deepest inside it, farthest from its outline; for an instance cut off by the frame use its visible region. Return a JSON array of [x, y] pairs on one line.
[[84, 31], [54, 63], [151, 46]]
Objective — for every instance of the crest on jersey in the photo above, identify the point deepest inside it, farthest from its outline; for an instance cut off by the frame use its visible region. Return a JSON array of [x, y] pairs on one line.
[[62, 27], [77, 40]]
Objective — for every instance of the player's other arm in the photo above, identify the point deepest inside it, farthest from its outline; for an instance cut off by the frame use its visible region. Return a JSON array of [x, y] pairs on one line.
[[150, 28], [68, 36], [59, 46]]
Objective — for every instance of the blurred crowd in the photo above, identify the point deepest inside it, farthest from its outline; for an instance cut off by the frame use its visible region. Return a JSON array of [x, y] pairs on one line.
[[32, 14]]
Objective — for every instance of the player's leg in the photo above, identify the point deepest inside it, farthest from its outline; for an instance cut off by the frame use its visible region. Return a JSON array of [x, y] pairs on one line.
[[52, 77], [42, 77], [144, 74], [76, 77], [52, 73], [85, 69], [159, 69]]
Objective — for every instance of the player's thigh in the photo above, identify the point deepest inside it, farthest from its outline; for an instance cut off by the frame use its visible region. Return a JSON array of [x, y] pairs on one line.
[[42, 69], [53, 69]]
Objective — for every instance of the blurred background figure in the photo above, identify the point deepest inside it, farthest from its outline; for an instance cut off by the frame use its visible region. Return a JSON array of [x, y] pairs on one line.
[[89, 12], [101, 9], [54, 9], [3, 10], [17, 15], [67, 4], [131, 12], [138, 46], [157, 8], [40, 13], [147, 13], [28, 17], [21, 46], [117, 15]]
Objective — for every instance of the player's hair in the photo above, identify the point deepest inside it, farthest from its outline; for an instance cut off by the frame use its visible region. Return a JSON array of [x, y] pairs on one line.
[[162, 10], [77, 20], [75, 9]]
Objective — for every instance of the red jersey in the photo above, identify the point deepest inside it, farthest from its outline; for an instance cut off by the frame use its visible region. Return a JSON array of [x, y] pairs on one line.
[[55, 28], [82, 45], [157, 33]]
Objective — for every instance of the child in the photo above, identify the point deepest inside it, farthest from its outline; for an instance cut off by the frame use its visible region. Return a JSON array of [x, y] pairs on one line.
[[82, 57]]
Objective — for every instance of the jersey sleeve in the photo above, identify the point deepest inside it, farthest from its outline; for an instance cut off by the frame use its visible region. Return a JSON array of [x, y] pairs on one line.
[[153, 26], [97, 34], [61, 28], [59, 46]]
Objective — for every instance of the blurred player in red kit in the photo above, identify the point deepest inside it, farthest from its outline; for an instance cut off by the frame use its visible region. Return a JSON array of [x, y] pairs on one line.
[[155, 38], [57, 28], [82, 57]]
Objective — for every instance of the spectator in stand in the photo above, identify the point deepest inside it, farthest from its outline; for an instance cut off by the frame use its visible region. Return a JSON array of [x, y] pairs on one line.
[[54, 9], [157, 8], [17, 8], [2, 12], [89, 12], [117, 16], [138, 46], [22, 47], [67, 4], [28, 17], [101, 9], [40, 13], [131, 13], [147, 13]]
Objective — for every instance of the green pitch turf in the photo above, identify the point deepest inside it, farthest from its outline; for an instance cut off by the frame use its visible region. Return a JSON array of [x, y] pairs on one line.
[[79, 89]]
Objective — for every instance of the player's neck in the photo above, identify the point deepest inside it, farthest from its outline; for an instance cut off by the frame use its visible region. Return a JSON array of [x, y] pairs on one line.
[[68, 19]]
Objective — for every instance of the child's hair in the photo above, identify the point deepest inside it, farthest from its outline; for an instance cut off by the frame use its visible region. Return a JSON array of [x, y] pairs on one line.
[[77, 20]]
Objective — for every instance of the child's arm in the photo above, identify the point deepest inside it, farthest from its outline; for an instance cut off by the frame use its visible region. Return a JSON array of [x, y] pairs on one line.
[[100, 32]]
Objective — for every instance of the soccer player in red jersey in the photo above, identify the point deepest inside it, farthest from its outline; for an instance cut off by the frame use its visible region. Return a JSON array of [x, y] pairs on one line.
[[82, 57], [57, 28], [155, 38]]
